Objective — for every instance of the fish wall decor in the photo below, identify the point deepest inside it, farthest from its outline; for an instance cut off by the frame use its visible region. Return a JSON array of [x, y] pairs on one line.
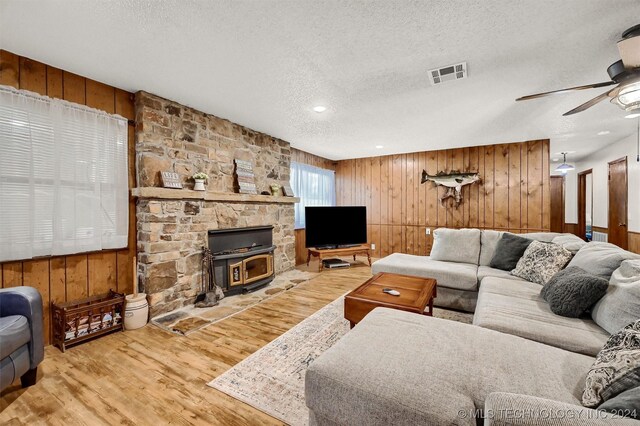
[[453, 181]]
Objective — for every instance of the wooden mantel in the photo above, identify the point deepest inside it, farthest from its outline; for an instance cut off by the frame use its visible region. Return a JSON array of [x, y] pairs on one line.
[[188, 194]]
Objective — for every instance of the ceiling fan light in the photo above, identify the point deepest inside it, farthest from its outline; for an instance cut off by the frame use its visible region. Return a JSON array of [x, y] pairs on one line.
[[629, 97]]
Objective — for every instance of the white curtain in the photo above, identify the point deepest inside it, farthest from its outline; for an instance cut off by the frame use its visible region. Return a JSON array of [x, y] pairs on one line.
[[63, 177], [314, 186]]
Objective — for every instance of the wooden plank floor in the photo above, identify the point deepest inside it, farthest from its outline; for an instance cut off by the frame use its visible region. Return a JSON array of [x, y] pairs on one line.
[[150, 376]]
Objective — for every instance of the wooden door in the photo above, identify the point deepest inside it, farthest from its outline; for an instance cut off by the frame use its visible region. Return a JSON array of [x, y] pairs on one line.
[[618, 203], [582, 203], [557, 203]]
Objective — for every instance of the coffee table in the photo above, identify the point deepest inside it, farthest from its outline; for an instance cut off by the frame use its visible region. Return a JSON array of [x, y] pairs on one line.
[[415, 295]]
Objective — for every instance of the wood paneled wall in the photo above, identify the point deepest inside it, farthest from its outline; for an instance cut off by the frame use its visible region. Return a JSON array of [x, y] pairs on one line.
[[313, 160], [64, 278], [514, 193]]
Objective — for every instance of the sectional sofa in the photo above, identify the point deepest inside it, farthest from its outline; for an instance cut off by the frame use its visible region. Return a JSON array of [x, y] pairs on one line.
[[518, 362]]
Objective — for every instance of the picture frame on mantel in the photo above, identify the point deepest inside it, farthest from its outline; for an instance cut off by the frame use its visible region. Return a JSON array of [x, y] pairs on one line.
[[171, 180], [287, 191]]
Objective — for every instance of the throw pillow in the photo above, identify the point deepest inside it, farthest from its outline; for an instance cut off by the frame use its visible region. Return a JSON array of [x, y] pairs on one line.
[[541, 261], [617, 367], [456, 245], [621, 305], [626, 404], [572, 291], [601, 259], [509, 250]]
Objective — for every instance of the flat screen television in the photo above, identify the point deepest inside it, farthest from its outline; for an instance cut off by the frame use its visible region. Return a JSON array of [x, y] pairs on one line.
[[330, 227]]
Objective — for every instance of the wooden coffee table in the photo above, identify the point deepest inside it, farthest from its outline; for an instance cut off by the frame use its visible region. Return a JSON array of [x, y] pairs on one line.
[[415, 295]]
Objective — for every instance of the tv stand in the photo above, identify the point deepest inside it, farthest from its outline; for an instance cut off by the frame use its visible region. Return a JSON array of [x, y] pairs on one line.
[[322, 253]]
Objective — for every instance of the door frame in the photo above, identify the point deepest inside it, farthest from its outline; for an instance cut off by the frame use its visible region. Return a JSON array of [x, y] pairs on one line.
[[582, 203], [626, 195]]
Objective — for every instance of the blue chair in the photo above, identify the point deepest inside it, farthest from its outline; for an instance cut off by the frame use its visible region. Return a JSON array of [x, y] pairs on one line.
[[21, 338]]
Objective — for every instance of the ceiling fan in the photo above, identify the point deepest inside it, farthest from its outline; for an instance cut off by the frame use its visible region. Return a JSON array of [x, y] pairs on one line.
[[624, 73]]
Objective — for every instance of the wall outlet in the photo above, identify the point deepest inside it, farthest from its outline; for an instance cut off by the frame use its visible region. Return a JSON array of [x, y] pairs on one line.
[[427, 231], [373, 246]]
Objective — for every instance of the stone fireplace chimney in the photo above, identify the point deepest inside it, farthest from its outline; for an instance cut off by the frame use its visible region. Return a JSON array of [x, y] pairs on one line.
[[173, 224]]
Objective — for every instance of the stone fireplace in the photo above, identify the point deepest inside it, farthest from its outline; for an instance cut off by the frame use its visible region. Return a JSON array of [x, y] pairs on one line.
[[173, 224]]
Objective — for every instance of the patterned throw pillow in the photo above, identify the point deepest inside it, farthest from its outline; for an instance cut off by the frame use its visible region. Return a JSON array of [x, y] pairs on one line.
[[617, 367], [541, 261]]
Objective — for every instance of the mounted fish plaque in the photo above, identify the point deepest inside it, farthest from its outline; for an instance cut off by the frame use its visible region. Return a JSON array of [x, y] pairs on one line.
[[453, 181]]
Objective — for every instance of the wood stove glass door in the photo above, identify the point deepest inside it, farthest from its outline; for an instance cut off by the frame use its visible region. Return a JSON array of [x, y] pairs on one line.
[[257, 267]]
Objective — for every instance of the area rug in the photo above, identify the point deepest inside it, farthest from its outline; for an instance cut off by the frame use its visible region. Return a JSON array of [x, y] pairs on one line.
[[272, 378], [185, 321]]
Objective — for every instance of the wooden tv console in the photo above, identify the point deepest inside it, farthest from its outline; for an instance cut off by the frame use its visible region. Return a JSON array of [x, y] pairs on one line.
[[363, 249]]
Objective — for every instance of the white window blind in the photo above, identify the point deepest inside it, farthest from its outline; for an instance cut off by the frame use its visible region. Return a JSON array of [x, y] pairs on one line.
[[314, 186], [63, 177]]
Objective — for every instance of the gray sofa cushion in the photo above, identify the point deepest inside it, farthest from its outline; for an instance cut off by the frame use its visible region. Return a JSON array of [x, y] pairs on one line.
[[460, 276], [517, 308], [508, 251], [423, 374], [488, 242], [545, 237], [456, 245], [626, 404], [487, 271], [617, 367], [571, 242], [621, 304], [14, 332], [572, 291], [601, 259], [541, 261]]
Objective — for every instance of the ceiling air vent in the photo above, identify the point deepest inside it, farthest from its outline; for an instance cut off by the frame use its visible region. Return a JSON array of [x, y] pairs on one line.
[[448, 73]]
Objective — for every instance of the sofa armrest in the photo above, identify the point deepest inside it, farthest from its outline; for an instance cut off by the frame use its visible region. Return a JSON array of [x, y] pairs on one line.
[[26, 301], [514, 409]]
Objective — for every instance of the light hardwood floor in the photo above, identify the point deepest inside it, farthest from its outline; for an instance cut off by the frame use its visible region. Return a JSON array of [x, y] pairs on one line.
[[150, 376]]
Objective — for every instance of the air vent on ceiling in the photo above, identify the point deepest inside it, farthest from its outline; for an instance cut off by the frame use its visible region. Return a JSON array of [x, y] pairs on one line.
[[448, 73]]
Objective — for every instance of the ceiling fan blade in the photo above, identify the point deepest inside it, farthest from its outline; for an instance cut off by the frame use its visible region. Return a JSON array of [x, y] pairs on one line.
[[570, 89], [589, 103]]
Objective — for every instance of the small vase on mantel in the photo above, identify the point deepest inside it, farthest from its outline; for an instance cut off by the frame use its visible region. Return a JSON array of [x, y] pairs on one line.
[[200, 179]]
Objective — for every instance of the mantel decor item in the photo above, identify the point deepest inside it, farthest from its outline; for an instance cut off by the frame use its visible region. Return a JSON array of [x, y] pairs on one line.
[[453, 181], [171, 180], [200, 179], [287, 191], [245, 179], [276, 190]]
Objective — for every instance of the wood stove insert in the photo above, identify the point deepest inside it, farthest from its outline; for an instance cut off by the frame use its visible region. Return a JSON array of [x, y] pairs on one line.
[[242, 258]]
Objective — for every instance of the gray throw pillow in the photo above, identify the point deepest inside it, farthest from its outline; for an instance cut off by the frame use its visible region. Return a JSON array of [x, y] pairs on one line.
[[509, 250], [541, 261], [616, 369], [601, 259], [572, 291], [456, 245], [570, 242], [626, 404], [621, 305]]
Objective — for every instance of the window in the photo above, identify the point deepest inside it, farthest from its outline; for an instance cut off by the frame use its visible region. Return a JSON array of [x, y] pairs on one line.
[[63, 177], [314, 186]]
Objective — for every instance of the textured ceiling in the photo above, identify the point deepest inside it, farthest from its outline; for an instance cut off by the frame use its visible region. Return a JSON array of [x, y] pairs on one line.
[[265, 64]]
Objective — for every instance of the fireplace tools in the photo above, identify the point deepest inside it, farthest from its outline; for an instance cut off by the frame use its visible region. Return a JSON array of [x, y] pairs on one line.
[[210, 293]]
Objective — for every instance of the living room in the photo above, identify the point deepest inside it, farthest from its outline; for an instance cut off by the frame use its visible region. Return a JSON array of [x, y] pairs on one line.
[[319, 213]]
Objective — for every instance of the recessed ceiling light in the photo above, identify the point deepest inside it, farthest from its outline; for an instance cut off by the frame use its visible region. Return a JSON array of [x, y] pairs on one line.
[[604, 132], [633, 115], [319, 108], [379, 146], [555, 160]]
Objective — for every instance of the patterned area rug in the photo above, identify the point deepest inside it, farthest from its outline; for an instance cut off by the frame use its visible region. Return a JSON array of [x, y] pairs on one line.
[[272, 378], [186, 320]]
